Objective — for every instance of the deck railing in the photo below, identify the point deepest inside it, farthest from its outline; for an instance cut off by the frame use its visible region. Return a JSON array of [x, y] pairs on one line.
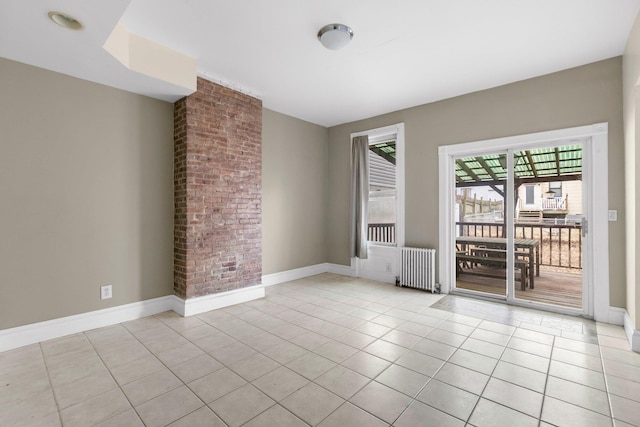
[[555, 203], [560, 244], [382, 233]]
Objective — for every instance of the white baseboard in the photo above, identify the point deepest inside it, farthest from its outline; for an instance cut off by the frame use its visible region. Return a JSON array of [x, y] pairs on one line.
[[616, 315], [197, 305], [36, 332], [344, 270], [312, 270], [295, 274], [633, 335]]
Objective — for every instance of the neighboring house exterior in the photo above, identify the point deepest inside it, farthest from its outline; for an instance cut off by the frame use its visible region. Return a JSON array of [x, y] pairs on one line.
[[566, 200]]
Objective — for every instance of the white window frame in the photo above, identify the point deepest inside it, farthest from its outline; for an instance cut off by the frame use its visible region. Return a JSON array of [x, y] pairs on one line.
[[389, 254], [381, 134]]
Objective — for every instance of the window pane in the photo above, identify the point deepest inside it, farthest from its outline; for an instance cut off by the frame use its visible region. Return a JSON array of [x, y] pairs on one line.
[[382, 192], [530, 194], [556, 188]]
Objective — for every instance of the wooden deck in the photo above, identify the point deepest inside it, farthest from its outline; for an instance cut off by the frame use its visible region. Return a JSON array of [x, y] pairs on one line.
[[551, 287]]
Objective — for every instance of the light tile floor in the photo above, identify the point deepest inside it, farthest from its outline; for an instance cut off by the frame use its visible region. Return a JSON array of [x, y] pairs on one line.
[[331, 351]]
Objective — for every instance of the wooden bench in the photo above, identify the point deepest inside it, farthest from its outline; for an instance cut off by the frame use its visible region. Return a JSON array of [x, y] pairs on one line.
[[471, 260], [497, 253]]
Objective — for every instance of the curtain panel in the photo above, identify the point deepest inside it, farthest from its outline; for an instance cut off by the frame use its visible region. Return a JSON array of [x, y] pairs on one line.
[[359, 195]]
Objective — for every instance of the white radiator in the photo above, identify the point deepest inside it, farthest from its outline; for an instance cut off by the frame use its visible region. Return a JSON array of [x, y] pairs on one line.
[[418, 268]]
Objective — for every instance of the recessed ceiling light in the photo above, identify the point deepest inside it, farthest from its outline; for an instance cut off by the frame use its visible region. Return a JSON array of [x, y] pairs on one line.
[[66, 21], [335, 36]]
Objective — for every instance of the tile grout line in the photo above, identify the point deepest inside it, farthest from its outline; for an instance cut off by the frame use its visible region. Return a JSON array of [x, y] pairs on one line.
[[414, 399], [491, 375], [153, 373], [146, 376], [112, 377], [224, 365], [311, 381], [606, 381], [53, 393], [601, 361], [477, 327], [370, 380], [546, 380], [276, 403]]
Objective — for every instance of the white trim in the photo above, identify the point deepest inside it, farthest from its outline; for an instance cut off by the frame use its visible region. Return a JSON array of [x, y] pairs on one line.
[[37, 332], [198, 305], [385, 130], [391, 252], [396, 130], [382, 264], [633, 335], [509, 220], [312, 270], [295, 274], [229, 85], [550, 138], [616, 315], [598, 303], [598, 205], [400, 186], [56, 328], [446, 201], [344, 270]]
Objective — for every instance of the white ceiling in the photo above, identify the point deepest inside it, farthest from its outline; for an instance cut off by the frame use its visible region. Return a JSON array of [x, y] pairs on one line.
[[404, 52]]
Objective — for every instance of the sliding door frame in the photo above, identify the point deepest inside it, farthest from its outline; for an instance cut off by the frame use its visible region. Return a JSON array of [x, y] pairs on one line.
[[596, 300]]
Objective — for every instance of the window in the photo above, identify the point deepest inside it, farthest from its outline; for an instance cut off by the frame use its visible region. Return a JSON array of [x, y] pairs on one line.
[[556, 189], [382, 190], [530, 194], [384, 228]]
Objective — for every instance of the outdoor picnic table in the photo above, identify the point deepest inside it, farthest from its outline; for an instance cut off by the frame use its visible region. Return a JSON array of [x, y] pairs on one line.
[[530, 249]]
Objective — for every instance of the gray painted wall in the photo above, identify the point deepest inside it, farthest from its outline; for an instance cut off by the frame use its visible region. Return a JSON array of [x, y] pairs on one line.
[[86, 181], [295, 192], [86, 195], [575, 97]]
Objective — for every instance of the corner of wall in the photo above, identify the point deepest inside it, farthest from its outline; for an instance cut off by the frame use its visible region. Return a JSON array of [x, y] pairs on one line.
[[633, 334]]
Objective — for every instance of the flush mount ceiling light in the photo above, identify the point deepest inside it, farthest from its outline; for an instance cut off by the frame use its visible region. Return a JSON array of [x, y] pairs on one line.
[[66, 21], [335, 36]]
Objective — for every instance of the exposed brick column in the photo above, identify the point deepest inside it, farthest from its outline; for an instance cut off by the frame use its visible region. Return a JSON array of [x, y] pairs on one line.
[[217, 184]]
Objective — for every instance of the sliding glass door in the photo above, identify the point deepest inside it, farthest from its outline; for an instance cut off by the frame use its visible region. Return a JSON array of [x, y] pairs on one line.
[[519, 225]]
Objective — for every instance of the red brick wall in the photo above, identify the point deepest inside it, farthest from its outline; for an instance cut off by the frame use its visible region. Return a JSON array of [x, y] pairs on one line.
[[218, 200]]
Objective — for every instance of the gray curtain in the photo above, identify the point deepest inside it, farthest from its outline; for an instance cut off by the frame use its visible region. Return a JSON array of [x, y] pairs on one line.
[[359, 195]]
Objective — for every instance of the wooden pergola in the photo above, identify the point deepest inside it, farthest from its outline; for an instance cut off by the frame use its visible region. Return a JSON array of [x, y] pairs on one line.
[[531, 166]]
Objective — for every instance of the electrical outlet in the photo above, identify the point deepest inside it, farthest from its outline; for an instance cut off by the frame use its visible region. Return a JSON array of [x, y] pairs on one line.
[[106, 292], [613, 215], [388, 270]]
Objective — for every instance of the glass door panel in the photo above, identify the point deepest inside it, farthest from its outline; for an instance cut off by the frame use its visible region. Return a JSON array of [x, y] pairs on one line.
[[481, 250], [548, 234]]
